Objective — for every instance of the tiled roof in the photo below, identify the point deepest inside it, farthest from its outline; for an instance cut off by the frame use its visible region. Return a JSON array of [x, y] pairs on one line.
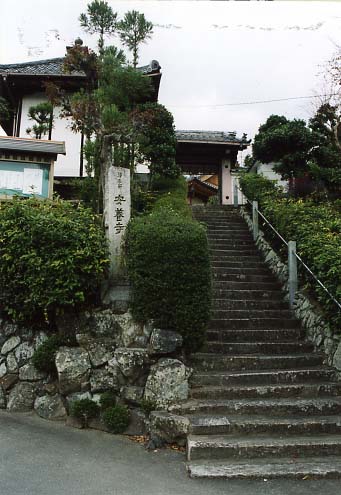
[[210, 136], [54, 67], [32, 145]]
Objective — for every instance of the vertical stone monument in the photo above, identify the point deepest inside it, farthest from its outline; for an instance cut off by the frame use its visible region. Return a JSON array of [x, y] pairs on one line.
[[118, 214]]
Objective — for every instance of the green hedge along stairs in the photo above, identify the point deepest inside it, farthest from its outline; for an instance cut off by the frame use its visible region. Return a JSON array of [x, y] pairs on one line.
[[262, 402]]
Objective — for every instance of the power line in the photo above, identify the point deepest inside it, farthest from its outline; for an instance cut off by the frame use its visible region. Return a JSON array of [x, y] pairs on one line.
[[251, 102]]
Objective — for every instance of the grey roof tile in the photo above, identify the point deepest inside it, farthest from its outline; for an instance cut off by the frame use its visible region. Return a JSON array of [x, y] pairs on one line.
[[54, 67], [212, 136]]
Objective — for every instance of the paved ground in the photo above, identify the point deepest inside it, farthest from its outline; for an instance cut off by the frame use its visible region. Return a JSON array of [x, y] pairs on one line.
[[39, 457]]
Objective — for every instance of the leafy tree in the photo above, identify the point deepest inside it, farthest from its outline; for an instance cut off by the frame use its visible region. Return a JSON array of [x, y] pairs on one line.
[[42, 115], [133, 30], [286, 142], [99, 19], [4, 109], [157, 140]]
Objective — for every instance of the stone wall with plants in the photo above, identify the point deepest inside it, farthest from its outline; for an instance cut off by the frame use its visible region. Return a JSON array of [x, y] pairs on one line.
[[100, 370], [319, 330]]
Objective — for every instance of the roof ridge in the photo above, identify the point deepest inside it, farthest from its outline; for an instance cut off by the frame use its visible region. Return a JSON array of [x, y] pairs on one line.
[[33, 62]]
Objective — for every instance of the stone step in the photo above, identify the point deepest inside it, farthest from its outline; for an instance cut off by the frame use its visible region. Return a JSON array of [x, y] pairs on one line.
[[254, 323], [223, 222], [317, 406], [237, 270], [237, 265], [223, 303], [253, 377], [228, 314], [268, 469], [233, 254], [225, 447], [225, 238], [229, 250], [246, 425], [258, 335], [242, 277], [257, 347], [268, 391], [239, 285], [247, 294], [219, 362]]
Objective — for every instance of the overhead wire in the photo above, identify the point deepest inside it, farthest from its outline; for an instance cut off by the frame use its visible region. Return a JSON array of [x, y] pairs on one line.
[[253, 102]]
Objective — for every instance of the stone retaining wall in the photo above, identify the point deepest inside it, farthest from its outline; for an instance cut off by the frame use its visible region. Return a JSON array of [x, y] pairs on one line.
[[305, 309], [111, 352]]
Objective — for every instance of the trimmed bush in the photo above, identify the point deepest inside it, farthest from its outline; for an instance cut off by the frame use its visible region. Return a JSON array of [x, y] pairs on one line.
[[173, 195], [257, 187], [84, 410], [52, 255], [44, 356], [169, 269], [116, 418]]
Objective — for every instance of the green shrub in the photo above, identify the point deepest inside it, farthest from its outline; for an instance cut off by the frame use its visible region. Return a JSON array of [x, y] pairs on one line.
[[84, 410], [52, 255], [316, 227], [173, 197], [148, 406], [108, 399], [257, 187], [169, 269], [44, 356], [116, 418]]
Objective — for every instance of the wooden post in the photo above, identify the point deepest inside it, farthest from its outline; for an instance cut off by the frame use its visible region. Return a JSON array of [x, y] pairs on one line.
[[292, 268], [235, 194], [255, 219]]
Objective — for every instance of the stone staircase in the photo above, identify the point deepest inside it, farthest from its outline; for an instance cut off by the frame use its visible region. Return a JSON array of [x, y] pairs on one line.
[[262, 403]]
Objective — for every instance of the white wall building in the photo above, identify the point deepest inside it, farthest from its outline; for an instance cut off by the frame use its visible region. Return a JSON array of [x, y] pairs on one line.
[[22, 86]]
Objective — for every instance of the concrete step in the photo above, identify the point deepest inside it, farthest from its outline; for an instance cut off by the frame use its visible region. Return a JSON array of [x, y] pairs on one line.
[[222, 303], [257, 347], [232, 255], [226, 447], [267, 407], [252, 377], [254, 425], [234, 251], [253, 334], [254, 323], [228, 314], [268, 469], [247, 294], [260, 270], [310, 390], [220, 362], [239, 285], [223, 222], [225, 238], [242, 277], [216, 261]]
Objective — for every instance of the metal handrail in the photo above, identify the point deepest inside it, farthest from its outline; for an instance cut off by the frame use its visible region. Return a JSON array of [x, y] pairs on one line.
[[296, 255]]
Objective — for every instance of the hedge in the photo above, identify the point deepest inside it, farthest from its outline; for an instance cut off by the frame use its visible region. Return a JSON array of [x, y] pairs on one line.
[[316, 228], [169, 269], [52, 256]]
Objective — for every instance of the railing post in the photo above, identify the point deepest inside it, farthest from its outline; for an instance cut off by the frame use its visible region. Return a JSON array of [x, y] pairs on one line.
[[255, 219], [292, 268], [235, 195]]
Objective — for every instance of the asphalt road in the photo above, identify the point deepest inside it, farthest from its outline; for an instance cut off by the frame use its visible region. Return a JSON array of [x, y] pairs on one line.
[[38, 457]]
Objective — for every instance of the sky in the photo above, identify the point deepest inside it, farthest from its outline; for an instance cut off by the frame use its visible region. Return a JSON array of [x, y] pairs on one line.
[[217, 57]]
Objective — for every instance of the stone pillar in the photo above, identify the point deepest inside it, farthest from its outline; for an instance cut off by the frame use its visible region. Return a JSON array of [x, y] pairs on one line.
[[118, 214], [226, 182]]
